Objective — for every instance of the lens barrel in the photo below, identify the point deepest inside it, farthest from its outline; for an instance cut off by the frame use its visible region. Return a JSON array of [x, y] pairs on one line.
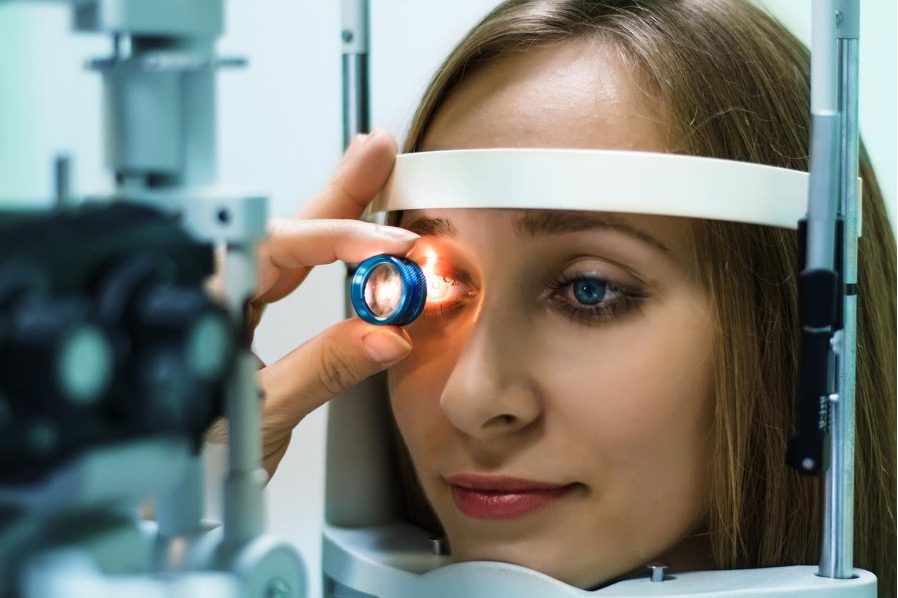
[[388, 290]]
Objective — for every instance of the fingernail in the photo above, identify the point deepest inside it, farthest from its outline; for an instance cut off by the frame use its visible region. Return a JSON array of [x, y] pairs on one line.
[[385, 348], [400, 234], [359, 139]]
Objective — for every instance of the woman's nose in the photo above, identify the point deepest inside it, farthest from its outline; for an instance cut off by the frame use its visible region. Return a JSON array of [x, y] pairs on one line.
[[489, 392]]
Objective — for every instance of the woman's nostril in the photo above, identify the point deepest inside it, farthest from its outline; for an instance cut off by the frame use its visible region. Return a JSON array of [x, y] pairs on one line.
[[502, 420], [484, 405]]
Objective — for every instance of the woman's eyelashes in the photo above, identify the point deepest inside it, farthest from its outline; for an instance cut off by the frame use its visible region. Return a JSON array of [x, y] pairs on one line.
[[590, 299], [447, 289]]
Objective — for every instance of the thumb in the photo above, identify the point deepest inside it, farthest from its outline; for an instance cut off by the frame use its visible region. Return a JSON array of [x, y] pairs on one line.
[[325, 366]]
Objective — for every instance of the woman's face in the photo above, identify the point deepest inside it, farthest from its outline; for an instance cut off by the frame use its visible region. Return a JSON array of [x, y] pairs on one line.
[[557, 401]]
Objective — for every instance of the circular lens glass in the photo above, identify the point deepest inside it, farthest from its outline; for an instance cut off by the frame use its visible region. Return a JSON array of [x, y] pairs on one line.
[[208, 346], [383, 291], [85, 365], [388, 290]]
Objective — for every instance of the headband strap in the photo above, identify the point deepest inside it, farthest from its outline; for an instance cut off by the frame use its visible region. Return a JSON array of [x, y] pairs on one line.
[[597, 180]]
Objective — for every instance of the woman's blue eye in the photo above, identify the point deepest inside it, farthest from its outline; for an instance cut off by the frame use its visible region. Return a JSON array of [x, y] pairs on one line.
[[588, 299], [589, 291]]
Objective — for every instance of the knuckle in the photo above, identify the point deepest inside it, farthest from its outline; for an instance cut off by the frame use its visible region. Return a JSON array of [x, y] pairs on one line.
[[342, 190], [336, 373]]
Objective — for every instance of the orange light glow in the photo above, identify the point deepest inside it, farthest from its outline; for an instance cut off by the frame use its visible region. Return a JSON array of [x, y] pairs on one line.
[[439, 286]]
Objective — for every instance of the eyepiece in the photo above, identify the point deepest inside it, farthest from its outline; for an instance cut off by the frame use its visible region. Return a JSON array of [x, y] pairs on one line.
[[388, 290]]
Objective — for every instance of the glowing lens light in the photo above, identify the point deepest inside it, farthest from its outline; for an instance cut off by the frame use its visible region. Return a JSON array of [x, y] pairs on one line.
[[438, 286], [387, 289]]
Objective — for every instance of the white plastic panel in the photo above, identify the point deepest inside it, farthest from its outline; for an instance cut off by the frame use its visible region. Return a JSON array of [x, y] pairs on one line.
[[393, 560], [600, 180]]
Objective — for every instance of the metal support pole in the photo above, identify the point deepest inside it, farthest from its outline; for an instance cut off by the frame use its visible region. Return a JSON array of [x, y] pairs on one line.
[[62, 180], [355, 69], [244, 513], [824, 181], [838, 535], [179, 512]]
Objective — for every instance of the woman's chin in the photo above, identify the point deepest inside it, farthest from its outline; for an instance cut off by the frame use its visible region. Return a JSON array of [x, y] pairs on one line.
[[570, 568]]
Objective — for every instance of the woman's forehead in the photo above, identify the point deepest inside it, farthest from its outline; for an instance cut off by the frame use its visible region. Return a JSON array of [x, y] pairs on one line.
[[576, 94]]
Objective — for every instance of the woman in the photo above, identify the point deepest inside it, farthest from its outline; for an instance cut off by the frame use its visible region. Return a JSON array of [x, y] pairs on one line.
[[563, 365]]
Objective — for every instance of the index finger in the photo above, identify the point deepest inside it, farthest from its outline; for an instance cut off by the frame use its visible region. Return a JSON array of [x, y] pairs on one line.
[[363, 171], [294, 246]]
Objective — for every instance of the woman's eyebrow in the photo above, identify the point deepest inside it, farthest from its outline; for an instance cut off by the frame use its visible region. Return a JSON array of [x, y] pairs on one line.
[[433, 227], [555, 222], [543, 223]]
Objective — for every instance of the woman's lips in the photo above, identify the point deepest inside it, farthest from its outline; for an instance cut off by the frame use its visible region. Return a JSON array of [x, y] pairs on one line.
[[501, 497]]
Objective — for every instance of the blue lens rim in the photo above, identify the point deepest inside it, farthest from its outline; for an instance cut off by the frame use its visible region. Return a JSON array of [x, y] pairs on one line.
[[414, 290]]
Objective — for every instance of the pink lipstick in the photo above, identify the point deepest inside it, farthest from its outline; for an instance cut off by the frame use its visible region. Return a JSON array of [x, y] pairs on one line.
[[501, 497]]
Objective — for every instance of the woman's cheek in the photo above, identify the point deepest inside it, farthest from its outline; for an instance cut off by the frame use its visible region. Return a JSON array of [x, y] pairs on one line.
[[630, 381], [437, 341], [414, 387]]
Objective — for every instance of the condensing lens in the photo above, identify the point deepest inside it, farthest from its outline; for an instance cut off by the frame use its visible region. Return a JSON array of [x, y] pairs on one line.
[[383, 290], [388, 290]]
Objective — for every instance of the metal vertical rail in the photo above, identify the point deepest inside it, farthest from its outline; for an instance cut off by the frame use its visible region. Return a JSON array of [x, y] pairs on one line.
[[244, 508], [355, 69], [837, 558], [356, 90], [823, 193]]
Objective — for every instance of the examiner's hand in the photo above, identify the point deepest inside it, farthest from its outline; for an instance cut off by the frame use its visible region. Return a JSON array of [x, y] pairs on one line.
[[324, 231]]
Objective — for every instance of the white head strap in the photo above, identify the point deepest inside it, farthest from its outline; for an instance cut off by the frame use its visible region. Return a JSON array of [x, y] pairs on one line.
[[597, 180]]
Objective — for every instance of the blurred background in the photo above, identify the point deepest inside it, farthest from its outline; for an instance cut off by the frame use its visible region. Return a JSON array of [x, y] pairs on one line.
[[279, 134]]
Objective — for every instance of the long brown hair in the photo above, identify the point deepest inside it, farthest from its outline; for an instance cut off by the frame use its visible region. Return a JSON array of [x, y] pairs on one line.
[[735, 84]]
